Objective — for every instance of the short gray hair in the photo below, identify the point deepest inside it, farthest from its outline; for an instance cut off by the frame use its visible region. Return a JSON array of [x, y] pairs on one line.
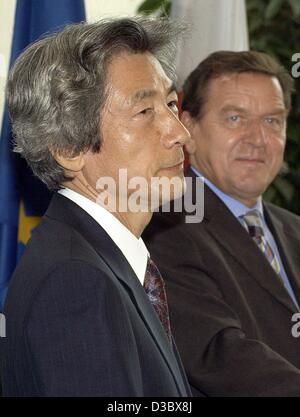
[[56, 88]]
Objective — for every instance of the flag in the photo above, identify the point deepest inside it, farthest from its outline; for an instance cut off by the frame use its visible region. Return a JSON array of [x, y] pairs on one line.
[[23, 198], [214, 25]]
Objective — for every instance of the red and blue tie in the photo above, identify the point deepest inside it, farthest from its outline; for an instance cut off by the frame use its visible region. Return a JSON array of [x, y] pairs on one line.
[[155, 289]]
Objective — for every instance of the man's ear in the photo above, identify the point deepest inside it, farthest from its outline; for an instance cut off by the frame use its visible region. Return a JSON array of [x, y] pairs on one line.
[[188, 122], [68, 162]]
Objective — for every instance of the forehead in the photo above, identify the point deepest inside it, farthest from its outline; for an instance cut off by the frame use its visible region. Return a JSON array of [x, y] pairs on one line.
[[128, 74], [251, 89]]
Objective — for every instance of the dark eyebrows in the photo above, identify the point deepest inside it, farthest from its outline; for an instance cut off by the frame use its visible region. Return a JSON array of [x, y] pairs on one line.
[[142, 94], [275, 112], [278, 112], [230, 107]]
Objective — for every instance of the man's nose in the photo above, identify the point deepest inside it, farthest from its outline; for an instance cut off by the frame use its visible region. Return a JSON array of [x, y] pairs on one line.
[[256, 134], [175, 132]]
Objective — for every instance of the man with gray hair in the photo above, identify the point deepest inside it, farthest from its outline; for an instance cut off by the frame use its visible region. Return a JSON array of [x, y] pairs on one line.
[[88, 103]]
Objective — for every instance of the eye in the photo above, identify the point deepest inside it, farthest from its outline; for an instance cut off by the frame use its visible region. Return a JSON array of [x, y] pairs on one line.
[[275, 123], [145, 111], [272, 121], [173, 104], [234, 118]]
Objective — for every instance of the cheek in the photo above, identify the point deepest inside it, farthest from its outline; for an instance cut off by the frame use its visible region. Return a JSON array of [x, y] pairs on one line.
[[226, 150], [276, 149], [122, 145], [225, 142]]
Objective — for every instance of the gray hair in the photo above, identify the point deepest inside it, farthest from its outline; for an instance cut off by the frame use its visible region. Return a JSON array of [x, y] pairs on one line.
[[56, 88]]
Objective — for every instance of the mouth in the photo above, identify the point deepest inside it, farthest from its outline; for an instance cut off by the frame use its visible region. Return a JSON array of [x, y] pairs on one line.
[[251, 161]]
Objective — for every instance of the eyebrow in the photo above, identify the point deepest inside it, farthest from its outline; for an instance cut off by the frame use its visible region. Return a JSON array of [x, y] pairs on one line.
[[243, 111], [233, 108], [142, 94]]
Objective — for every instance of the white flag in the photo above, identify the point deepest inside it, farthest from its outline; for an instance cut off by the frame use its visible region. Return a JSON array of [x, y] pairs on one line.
[[213, 25]]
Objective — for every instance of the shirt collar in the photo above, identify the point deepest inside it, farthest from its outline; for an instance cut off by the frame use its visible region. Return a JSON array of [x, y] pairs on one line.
[[237, 208], [132, 248]]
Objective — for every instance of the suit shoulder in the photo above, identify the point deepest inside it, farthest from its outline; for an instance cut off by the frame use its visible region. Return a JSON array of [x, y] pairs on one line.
[[282, 213], [54, 242], [55, 250]]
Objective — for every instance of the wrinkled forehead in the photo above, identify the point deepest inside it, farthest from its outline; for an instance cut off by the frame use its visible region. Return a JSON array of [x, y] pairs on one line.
[[134, 77], [247, 87]]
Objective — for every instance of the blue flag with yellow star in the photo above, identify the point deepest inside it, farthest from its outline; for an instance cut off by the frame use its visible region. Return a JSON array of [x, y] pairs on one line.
[[23, 198]]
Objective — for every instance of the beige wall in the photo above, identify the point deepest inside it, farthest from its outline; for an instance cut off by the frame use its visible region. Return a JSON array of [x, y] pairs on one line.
[[95, 9]]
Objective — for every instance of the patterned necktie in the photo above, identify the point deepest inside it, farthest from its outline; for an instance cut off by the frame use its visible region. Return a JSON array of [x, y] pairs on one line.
[[254, 223], [155, 289]]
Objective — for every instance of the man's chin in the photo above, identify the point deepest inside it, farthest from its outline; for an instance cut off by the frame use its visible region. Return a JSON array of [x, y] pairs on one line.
[[168, 192]]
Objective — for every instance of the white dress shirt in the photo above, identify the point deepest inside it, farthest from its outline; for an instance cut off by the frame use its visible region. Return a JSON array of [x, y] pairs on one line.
[[132, 248]]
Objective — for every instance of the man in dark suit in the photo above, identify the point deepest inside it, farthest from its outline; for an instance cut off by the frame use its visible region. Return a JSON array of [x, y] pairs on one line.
[[233, 280], [91, 105]]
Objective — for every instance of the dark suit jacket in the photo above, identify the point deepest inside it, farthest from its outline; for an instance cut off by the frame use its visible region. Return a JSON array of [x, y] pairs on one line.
[[78, 320], [230, 314]]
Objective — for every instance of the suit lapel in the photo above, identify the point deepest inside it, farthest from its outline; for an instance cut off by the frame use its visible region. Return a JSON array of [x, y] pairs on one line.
[[288, 245], [231, 235], [67, 211]]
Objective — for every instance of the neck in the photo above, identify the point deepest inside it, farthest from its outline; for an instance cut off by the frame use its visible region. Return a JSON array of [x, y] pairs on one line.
[[248, 202], [135, 222]]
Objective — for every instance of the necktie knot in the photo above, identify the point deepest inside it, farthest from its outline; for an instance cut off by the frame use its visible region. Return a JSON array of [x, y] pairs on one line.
[[153, 282], [254, 223], [155, 289]]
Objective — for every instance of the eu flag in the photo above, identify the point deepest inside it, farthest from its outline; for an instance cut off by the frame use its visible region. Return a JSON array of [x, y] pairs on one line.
[[23, 198]]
